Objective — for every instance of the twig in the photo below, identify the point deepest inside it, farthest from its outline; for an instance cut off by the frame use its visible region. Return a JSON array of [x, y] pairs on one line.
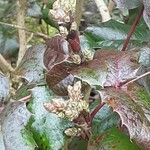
[[21, 6], [103, 10], [137, 78], [78, 13], [132, 29], [5, 66], [111, 5], [94, 112], [25, 99], [44, 36], [30, 37]]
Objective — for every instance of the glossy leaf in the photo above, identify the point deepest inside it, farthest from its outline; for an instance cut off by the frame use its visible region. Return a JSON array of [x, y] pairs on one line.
[[2, 142], [14, 119], [87, 50], [146, 13], [77, 144], [31, 67], [104, 120], [57, 51], [113, 139], [4, 88], [127, 4], [112, 34], [108, 68], [46, 127], [144, 58], [132, 111], [8, 43], [34, 10]]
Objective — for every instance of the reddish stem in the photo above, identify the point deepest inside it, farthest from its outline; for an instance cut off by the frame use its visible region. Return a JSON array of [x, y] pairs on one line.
[[132, 29], [137, 78], [94, 112]]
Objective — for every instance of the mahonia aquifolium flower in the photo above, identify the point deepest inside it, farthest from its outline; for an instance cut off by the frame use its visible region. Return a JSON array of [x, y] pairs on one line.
[[70, 108]]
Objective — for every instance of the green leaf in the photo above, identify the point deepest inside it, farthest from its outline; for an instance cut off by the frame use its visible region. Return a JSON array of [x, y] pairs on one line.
[[77, 144], [49, 19], [46, 127], [113, 139], [104, 120], [127, 4], [14, 119], [112, 34]]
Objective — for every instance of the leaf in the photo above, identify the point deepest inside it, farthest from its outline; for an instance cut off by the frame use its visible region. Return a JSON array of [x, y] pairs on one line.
[[77, 144], [49, 19], [46, 127], [57, 51], [14, 120], [112, 34], [104, 120], [132, 15], [127, 4], [108, 68], [58, 73], [34, 10], [7, 9], [2, 142], [132, 111], [4, 88], [59, 77], [31, 67], [145, 81], [87, 50], [8, 43], [146, 13], [141, 97], [93, 72], [74, 41], [144, 58], [113, 139]]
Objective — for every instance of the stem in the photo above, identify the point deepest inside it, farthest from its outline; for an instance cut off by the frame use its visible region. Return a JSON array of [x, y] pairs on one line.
[[78, 13], [132, 29], [21, 7], [137, 78], [111, 5], [5, 66], [94, 112], [44, 36], [103, 10], [26, 98]]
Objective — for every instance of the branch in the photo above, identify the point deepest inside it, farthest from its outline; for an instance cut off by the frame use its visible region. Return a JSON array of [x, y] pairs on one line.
[[21, 6], [25, 99], [137, 78], [39, 34], [103, 10], [111, 5], [94, 112], [132, 29], [78, 13], [4, 65]]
